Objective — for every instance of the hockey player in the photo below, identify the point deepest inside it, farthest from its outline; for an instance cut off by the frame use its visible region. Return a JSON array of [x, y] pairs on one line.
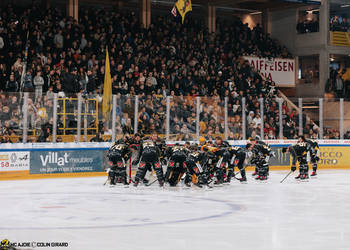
[[194, 162], [254, 141], [202, 143], [148, 158], [313, 149], [118, 154], [224, 157], [260, 157], [135, 141], [299, 154], [161, 145], [209, 158], [239, 156], [176, 166], [211, 161]]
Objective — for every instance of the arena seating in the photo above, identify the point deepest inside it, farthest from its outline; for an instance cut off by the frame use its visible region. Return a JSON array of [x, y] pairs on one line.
[[168, 59]]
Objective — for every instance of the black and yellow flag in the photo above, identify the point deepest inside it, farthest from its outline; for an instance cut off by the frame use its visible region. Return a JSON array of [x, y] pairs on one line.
[[183, 6], [107, 90]]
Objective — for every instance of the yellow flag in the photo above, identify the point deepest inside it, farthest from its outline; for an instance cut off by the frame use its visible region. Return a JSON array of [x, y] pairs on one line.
[[183, 6], [107, 90]]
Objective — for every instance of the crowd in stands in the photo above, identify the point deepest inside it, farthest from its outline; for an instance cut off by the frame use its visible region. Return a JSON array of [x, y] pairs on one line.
[[167, 59], [339, 23]]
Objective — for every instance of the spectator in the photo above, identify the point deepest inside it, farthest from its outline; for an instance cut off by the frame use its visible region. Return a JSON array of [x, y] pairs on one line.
[[38, 83], [28, 81], [58, 40], [339, 86], [12, 85], [71, 83], [97, 138]]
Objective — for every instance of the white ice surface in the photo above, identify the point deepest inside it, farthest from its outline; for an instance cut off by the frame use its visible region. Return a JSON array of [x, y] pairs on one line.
[[88, 215]]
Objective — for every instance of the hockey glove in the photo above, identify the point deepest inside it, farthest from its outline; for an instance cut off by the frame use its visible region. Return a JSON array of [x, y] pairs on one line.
[[293, 168]]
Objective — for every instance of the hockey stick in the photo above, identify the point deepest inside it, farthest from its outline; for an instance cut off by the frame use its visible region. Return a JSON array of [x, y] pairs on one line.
[[104, 184], [149, 184], [286, 176], [130, 170], [234, 174]]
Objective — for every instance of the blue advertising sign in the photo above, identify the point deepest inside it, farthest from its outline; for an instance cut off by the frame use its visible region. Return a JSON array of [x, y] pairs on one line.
[[66, 161]]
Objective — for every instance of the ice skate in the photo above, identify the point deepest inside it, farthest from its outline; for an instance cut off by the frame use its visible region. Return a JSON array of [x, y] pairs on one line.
[[243, 179]]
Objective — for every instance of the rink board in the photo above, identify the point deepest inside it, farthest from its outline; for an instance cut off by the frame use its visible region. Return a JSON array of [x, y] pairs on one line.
[[48, 160]]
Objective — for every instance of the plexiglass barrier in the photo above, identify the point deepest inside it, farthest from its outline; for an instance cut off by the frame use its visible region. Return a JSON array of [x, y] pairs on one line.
[[53, 118]]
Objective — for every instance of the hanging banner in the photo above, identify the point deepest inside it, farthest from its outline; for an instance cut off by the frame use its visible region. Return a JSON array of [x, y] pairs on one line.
[[281, 71]]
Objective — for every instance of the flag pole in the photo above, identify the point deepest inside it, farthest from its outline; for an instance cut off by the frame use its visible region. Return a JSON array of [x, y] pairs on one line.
[[25, 64]]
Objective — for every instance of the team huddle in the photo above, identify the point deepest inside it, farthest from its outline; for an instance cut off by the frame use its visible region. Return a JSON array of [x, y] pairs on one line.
[[203, 163]]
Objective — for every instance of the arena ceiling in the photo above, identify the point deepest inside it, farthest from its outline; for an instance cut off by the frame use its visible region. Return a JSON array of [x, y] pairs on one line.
[[246, 4], [237, 4], [228, 5], [250, 4]]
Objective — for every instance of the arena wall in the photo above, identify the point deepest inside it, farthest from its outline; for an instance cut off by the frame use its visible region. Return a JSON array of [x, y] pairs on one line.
[[54, 160]]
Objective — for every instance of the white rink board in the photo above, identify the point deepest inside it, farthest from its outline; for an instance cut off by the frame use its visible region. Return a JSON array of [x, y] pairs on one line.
[[312, 215]]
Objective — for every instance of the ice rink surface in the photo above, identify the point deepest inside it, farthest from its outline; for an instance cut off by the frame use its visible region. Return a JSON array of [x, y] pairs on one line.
[[270, 215]]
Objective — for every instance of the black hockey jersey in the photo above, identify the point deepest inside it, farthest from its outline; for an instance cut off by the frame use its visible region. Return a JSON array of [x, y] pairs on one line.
[[298, 152]]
